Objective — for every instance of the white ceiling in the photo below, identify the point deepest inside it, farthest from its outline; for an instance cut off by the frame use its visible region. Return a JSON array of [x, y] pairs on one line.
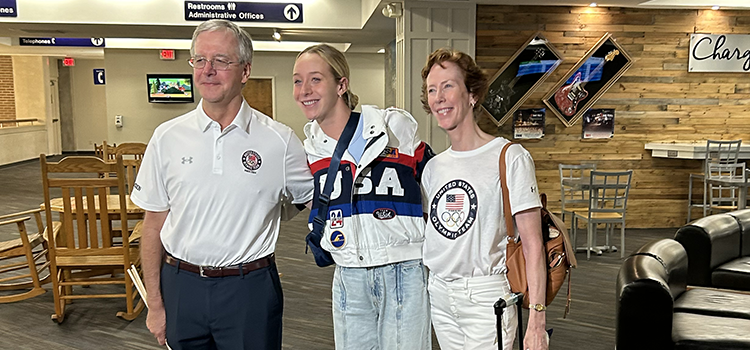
[[697, 4], [376, 33]]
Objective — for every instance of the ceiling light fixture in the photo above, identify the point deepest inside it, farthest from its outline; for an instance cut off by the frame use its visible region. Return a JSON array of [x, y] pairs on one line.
[[276, 35], [393, 10], [715, 7], [381, 51], [593, 4]]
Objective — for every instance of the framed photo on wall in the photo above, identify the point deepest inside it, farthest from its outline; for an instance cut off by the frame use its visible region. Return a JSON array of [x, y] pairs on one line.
[[519, 77], [588, 80], [598, 124], [528, 123]]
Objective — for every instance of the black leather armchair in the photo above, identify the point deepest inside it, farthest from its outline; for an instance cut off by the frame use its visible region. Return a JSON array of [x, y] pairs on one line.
[[655, 309], [718, 249]]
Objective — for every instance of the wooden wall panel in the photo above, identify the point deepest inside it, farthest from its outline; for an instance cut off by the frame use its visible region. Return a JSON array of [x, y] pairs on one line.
[[657, 99]]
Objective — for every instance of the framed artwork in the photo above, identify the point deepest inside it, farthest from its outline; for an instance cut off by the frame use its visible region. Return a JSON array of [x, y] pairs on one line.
[[528, 123], [598, 124], [588, 80], [519, 77]]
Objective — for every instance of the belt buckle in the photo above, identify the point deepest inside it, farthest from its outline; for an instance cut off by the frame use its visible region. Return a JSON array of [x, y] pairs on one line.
[[200, 271]]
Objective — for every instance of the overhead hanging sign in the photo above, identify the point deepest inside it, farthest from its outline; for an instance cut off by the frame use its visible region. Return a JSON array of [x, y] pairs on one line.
[[8, 8], [719, 53], [243, 11], [83, 42]]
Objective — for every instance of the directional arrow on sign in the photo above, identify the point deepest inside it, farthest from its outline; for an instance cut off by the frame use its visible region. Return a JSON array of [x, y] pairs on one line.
[[291, 12]]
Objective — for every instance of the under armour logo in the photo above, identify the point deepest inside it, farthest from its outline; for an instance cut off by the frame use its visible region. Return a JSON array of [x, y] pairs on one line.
[[187, 160], [533, 189]]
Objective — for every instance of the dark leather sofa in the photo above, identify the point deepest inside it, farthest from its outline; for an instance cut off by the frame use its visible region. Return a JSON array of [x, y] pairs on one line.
[[718, 249], [656, 310]]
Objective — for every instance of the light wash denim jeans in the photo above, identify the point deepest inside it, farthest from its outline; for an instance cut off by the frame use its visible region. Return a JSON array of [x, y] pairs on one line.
[[382, 308]]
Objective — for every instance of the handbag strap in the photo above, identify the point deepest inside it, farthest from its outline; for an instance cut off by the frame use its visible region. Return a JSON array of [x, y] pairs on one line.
[[506, 196], [325, 195]]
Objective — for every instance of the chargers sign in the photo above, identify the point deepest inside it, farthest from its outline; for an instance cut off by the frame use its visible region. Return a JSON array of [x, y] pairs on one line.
[[243, 11], [719, 53]]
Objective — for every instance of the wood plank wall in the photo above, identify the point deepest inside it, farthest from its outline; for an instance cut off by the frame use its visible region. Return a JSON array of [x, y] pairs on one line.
[[657, 99]]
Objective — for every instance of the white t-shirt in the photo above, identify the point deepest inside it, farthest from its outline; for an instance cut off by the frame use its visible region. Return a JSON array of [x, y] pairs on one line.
[[465, 234], [223, 189]]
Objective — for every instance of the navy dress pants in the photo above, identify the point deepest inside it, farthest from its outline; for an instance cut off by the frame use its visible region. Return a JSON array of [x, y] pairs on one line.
[[223, 313]]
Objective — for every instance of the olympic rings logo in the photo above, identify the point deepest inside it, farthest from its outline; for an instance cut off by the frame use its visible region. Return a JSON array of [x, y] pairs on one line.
[[453, 209], [453, 218]]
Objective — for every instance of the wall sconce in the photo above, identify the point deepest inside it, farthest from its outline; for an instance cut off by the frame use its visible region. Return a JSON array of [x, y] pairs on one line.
[[393, 10], [276, 35]]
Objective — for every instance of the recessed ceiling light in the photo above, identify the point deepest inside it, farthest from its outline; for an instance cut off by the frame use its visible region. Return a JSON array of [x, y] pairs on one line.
[[715, 7], [381, 51], [593, 4]]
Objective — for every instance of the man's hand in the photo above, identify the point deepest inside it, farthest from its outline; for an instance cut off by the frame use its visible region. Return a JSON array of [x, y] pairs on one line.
[[152, 254], [156, 321]]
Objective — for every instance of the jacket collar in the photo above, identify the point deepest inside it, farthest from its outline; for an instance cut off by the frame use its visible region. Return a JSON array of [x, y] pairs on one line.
[[317, 142]]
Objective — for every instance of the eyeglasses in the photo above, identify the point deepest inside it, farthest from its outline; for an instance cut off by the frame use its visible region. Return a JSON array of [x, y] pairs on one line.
[[217, 63]]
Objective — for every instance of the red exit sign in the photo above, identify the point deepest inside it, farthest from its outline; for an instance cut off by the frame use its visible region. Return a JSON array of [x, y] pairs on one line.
[[166, 54], [69, 62]]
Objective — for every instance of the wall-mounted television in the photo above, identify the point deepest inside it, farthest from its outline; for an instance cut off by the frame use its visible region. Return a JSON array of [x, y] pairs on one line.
[[170, 88]]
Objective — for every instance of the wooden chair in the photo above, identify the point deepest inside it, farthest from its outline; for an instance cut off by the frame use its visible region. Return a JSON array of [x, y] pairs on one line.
[[99, 151], [83, 250], [608, 202], [29, 251], [135, 149], [132, 154], [105, 151]]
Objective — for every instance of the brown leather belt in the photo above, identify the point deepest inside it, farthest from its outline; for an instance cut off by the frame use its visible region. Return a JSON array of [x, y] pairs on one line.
[[210, 271]]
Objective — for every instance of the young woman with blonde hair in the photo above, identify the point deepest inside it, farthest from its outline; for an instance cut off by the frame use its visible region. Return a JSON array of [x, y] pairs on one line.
[[374, 226]]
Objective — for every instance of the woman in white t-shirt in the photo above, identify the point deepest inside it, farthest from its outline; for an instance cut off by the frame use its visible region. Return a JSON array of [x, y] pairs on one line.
[[465, 238]]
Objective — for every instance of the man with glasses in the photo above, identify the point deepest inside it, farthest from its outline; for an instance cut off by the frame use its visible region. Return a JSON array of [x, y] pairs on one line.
[[212, 183]]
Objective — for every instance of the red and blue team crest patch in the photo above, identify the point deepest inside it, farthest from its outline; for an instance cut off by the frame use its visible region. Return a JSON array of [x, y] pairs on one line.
[[251, 161], [389, 152]]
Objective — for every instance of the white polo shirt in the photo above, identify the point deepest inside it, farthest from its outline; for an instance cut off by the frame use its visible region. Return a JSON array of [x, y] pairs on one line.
[[223, 189]]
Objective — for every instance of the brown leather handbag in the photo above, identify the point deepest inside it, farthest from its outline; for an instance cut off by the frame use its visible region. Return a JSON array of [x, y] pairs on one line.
[[557, 248]]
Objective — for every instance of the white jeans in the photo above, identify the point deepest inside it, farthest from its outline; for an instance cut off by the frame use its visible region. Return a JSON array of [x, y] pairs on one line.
[[463, 315]]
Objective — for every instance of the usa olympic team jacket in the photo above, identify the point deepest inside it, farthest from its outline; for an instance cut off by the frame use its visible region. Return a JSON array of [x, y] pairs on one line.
[[375, 213]]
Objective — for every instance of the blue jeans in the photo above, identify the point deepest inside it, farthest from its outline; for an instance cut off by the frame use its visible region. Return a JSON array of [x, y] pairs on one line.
[[382, 308]]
